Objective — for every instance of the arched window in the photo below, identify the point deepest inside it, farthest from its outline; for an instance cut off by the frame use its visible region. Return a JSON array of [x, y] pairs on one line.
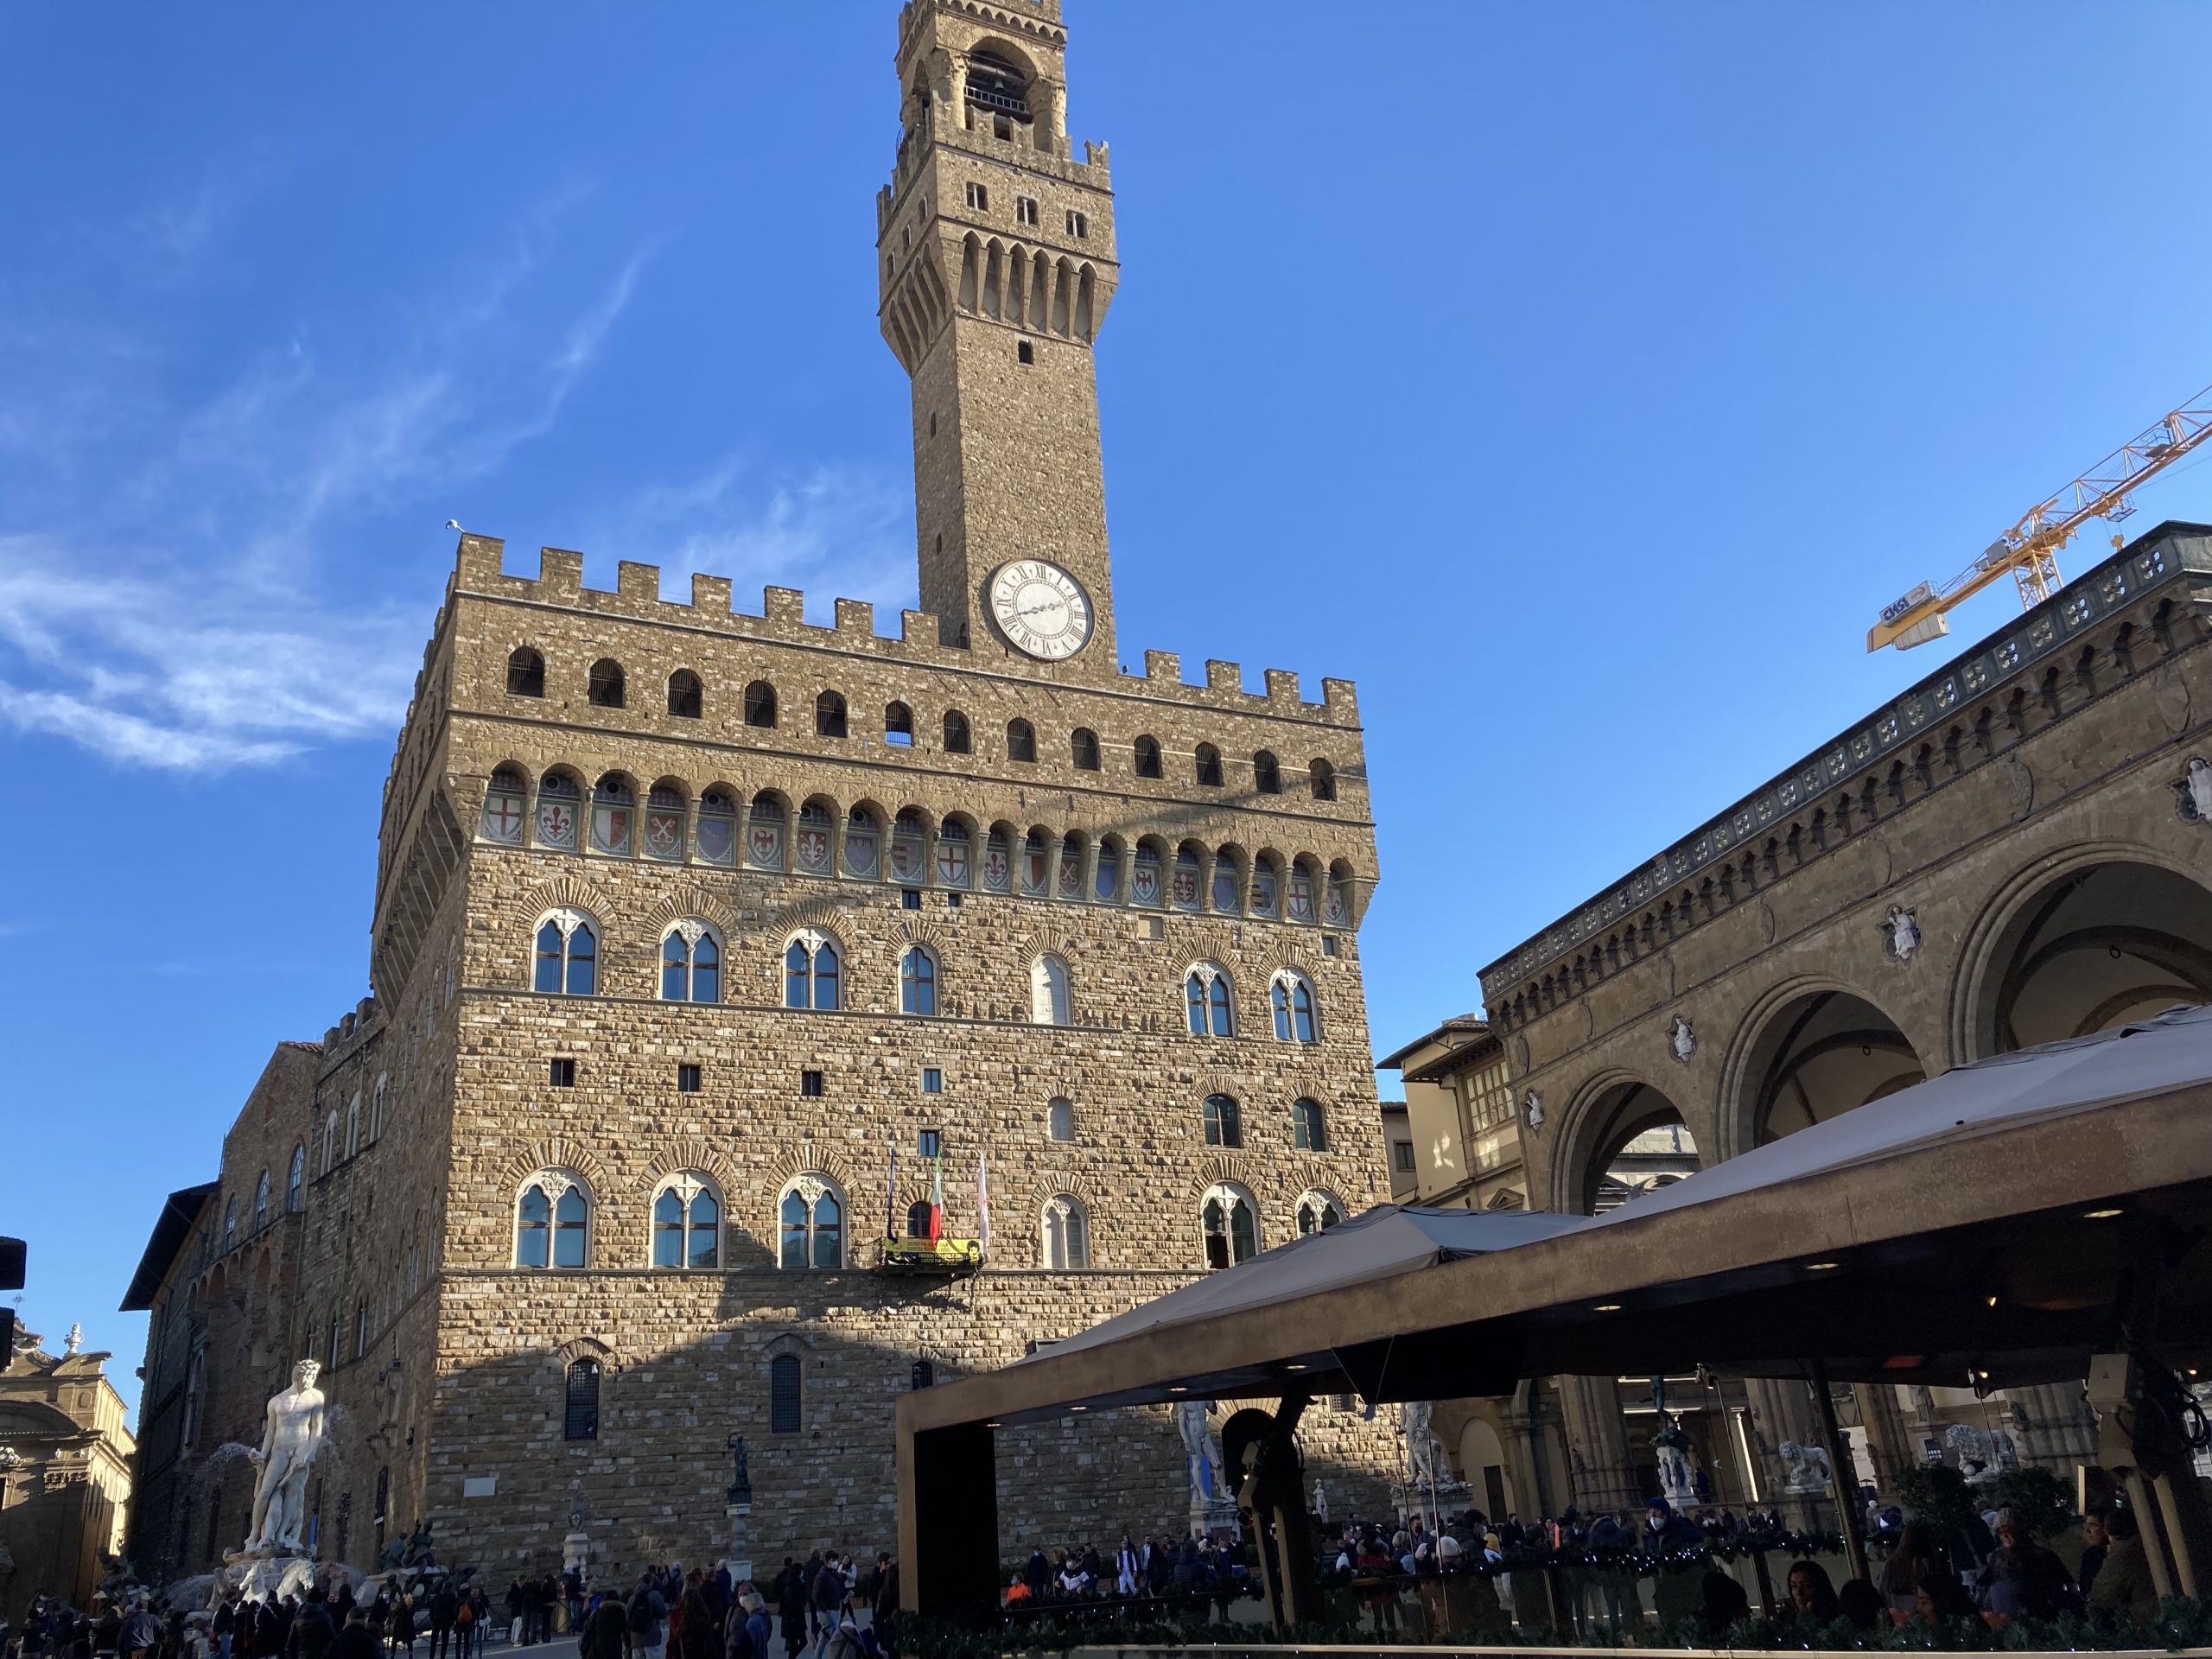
[[552, 1221], [1187, 878], [919, 1215], [1144, 877], [261, 1203], [1066, 1238], [1206, 1001], [559, 803], [1231, 1234], [686, 1224], [957, 739], [1084, 745], [716, 835], [918, 982], [1036, 864], [810, 972], [899, 725], [691, 964], [663, 822], [686, 696], [526, 673], [1048, 991], [760, 704], [1224, 1121], [330, 1143], [580, 1413], [810, 839], [1147, 749], [607, 684], [1324, 778], [784, 1395], [1020, 740], [1267, 773], [952, 865], [230, 1225], [297, 1180], [998, 862], [764, 833], [1317, 1213], [613, 816], [503, 815], [1059, 1120], [354, 1124], [1106, 872], [1224, 882], [830, 714], [1071, 882], [567, 955], [860, 844], [908, 839], [810, 1221], [1307, 1132], [1209, 758], [1291, 997]]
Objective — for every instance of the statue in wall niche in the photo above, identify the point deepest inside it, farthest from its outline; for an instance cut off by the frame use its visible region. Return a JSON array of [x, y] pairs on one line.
[[1902, 933], [1681, 1041], [2196, 791], [1806, 1468], [291, 1436]]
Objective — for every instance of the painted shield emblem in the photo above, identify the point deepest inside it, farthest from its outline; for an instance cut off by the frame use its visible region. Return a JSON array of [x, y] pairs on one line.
[[952, 863], [610, 829], [996, 869], [1186, 889], [1145, 883], [1033, 870], [1071, 875], [1263, 894], [860, 853], [713, 840], [503, 818], [906, 857], [556, 824], [813, 847], [665, 834], [1301, 899], [1224, 889], [764, 846], [1335, 906]]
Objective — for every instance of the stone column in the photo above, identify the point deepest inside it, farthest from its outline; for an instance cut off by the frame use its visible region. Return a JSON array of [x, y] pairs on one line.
[[1887, 1440], [2051, 1425], [1600, 1469], [1784, 1411]]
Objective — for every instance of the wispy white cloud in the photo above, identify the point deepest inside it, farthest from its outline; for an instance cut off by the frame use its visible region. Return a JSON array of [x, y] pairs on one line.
[[838, 531], [161, 601]]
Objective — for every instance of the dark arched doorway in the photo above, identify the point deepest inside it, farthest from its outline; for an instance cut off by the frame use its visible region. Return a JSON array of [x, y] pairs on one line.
[[2095, 950], [1639, 1142], [1819, 1056]]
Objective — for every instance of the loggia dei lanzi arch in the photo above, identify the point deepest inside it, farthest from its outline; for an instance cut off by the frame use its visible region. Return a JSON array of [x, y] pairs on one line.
[[2015, 851]]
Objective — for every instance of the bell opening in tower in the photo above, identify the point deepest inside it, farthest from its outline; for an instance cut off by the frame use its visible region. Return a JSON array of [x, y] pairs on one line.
[[998, 88]]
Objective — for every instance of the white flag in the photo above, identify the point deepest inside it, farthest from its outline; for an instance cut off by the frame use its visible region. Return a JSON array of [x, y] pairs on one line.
[[983, 1203]]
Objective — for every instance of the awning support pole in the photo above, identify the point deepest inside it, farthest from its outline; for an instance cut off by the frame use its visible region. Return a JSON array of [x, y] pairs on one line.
[[1846, 1496]]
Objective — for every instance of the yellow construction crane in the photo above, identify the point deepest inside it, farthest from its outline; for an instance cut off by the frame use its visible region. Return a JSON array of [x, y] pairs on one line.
[[2030, 549]]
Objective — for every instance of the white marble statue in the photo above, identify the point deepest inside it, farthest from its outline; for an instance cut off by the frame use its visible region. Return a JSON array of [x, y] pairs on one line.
[[1197, 1447], [1677, 1484], [1808, 1468], [1983, 1454], [1320, 1504], [1421, 1460], [291, 1437], [2199, 785]]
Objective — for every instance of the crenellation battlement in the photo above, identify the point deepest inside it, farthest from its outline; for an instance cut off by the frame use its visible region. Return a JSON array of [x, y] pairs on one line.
[[479, 571]]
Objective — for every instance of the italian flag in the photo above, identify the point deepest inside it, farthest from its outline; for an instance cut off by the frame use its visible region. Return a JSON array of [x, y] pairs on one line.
[[936, 1203]]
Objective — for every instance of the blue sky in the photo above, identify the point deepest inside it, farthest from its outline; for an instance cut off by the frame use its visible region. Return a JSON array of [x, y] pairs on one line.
[[1578, 379]]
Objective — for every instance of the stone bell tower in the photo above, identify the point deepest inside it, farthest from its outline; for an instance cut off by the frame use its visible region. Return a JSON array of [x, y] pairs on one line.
[[994, 254]]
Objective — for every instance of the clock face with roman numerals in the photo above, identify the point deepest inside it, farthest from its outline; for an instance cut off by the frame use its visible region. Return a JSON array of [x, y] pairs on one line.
[[1042, 609]]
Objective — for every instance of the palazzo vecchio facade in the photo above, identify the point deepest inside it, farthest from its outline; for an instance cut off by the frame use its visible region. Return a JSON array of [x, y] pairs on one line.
[[687, 919]]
